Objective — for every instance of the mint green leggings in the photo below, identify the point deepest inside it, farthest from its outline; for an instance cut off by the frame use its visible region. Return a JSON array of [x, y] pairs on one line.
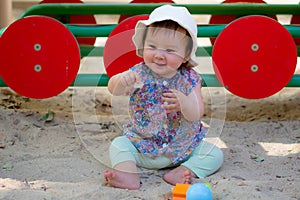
[[203, 161]]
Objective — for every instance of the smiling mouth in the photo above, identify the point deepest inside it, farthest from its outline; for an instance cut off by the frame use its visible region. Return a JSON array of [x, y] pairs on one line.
[[160, 65]]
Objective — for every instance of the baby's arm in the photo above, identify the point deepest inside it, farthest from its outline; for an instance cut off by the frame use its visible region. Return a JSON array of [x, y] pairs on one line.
[[121, 83], [191, 106]]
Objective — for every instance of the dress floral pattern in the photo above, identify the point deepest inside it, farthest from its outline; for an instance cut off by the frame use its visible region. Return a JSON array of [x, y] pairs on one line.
[[151, 130]]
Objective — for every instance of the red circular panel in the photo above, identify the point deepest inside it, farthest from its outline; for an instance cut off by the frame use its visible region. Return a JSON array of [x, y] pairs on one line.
[[39, 57], [254, 57], [226, 19], [119, 51], [75, 19], [123, 17]]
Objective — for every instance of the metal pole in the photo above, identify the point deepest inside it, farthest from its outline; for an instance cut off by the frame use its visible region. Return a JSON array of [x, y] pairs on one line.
[[5, 12], [101, 80], [142, 8]]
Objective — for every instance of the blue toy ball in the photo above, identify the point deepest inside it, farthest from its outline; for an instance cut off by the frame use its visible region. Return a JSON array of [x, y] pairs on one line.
[[199, 191]]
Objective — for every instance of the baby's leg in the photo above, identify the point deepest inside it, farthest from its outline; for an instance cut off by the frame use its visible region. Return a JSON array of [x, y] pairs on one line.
[[180, 174], [205, 160], [124, 175]]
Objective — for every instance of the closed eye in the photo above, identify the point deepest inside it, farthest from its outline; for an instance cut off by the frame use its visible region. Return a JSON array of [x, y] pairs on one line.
[[170, 50], [151, 46]]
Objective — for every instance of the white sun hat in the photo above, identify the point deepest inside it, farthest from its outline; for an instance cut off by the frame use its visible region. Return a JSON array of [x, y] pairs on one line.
[[179, 14]]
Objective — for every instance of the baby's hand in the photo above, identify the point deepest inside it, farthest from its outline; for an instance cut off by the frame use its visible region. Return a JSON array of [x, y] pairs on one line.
[[129, 79], [171, 101]]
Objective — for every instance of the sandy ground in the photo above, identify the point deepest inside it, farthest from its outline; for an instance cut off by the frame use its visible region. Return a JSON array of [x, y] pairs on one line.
[[56, 148]]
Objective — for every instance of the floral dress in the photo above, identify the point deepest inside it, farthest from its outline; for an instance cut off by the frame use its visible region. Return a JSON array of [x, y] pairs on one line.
[[151, 130]]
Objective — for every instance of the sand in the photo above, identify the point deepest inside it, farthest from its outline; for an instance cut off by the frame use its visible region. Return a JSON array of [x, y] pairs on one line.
[[64, 157], [56, 148]]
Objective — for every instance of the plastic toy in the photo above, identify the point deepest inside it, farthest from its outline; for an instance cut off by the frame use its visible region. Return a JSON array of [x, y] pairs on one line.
[[197, 191]]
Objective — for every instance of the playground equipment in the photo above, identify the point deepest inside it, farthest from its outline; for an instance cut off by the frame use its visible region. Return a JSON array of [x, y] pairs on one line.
[[119, 59], [226, 19], [123, 17], [267, 82], [74, 19], [248, 59], [37, 66]]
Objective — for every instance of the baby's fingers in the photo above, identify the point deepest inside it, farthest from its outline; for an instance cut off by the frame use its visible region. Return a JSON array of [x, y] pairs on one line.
[[170, 107], [129, 78]]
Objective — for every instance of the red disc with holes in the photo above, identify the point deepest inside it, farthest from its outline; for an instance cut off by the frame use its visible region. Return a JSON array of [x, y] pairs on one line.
[[75, 19], [254, 57], [119, 51], [122, 17], [226, 19], [39, 57]]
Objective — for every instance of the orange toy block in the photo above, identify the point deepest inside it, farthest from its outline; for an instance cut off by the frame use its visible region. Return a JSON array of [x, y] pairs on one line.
[[179, 191]]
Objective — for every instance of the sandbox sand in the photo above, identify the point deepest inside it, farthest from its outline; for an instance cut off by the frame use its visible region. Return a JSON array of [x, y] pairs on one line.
[[57, 148]]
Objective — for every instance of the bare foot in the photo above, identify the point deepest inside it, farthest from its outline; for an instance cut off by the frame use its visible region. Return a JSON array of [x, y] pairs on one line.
[[124, 180], [180, 174]]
